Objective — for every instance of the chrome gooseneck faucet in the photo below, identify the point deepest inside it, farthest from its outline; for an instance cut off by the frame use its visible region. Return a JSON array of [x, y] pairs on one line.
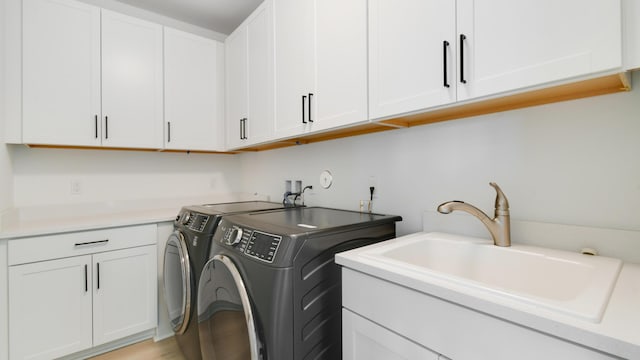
[[499, 226]]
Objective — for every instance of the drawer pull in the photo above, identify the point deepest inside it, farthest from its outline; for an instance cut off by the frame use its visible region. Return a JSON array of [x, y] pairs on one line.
[[463, 37], [89, 243], [445, 45], [304, 101], [310, 95]]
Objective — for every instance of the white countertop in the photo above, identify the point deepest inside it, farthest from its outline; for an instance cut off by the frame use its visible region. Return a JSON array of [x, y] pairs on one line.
[[617, 333], [51, 219]]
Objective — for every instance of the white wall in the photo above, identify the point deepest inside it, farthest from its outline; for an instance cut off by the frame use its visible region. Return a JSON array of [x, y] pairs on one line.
[[6, 179], [6, 195], [573, 163], [45, 176]]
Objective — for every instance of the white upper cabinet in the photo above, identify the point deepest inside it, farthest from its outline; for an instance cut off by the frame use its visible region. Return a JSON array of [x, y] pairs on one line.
[[516, 44], [250, 80], [294, 51], [236, 87], [631, 34], [340, 66], [481, 48], [91, 77], [61, 73], [411, 55], [194, 92], [131, 81], [321, 62]]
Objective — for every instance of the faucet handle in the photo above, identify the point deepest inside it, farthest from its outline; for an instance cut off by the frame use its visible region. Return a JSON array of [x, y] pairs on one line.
[[502, 204]]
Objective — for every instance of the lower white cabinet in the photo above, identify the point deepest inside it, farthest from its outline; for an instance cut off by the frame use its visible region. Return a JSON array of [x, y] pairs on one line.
[[124, 290], [68, 304], [366, 340], [50, 308], [385, 320]]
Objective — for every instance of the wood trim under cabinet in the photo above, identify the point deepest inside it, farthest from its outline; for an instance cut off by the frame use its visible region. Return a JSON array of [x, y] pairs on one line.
[[582, 89]]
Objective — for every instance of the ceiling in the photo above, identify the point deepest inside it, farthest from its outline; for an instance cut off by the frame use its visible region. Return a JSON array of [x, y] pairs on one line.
[[222, 16]]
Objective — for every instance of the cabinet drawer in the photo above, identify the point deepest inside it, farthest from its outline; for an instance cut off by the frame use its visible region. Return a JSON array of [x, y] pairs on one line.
[[41, 248]]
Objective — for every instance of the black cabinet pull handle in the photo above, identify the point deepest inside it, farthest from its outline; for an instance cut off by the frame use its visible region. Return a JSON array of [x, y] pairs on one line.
[[106, 127], [90, 243], [86, 281], [168, 131], [98, 270], [304, 100], [243, 129], [310, 95], [462, 39], [445, 45], [96, 125]]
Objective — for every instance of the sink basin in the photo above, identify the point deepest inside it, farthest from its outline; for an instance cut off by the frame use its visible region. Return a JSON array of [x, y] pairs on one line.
[[571, 283]]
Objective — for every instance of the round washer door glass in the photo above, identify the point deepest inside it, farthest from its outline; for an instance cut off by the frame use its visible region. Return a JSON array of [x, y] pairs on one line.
[[177, 282], [225, 317]]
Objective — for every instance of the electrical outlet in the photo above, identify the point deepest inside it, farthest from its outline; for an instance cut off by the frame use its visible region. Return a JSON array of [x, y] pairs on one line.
[[373, 181], [76, 187]]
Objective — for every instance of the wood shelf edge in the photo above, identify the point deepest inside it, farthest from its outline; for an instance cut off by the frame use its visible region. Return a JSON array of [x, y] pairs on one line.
[[610, 84], [47, 146], [582, 89]]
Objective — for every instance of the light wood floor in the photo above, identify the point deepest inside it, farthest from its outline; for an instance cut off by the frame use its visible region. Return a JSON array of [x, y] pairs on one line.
[[147, 350]]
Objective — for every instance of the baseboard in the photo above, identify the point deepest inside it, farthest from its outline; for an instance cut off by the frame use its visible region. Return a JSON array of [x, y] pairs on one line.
[[94, 351]]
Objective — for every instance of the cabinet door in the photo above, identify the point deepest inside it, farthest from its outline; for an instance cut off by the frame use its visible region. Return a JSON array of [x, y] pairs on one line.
[[365, 340], [50, 308], [250, 80], [340, 66], [131, 82], [294, 44], [515, 44], [193, 75], [125, 293], [407, 55], [236, 86], [61, 73], [260, 75], [631, 34]]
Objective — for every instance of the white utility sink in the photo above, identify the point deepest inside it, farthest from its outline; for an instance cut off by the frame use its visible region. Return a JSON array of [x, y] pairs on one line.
[[571, 283]]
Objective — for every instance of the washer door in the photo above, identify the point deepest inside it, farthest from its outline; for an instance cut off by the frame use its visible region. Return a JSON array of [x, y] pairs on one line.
[[225, 317], [177, 282]]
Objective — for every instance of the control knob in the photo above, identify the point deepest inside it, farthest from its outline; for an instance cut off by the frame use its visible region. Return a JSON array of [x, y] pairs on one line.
[[186, 218], [234, 237]]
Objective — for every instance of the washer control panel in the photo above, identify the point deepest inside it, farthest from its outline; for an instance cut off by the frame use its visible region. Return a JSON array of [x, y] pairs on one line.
[[253, 243], [263, 246]]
